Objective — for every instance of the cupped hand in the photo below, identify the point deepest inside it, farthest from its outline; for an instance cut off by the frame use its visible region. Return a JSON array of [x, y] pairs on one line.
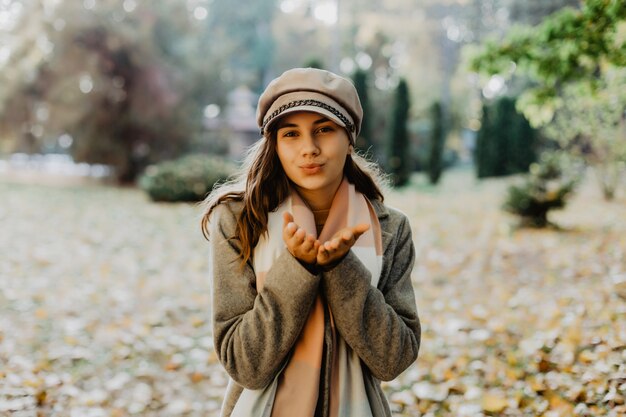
[[338, 246], [300, 244]]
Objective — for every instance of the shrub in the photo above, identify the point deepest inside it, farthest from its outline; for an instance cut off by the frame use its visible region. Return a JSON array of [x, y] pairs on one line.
[[188, 178], [549, 184]]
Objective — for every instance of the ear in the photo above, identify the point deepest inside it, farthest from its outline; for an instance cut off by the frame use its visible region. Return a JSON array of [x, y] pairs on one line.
[[350, 149]]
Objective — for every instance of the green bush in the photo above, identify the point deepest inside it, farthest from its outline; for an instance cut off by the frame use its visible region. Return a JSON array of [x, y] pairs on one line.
[[188, 178], [549, 184]]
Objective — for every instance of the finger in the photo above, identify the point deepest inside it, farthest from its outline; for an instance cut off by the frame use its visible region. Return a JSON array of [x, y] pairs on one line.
[[347, 235], [290, 229], [308, 243], [322, 254], [359, 229], [331, 245], [287, 218], [343, 247], [288, 224], [299, 236]]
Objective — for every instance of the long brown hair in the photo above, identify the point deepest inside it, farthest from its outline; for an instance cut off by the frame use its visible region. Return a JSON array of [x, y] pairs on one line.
[[262, 185]]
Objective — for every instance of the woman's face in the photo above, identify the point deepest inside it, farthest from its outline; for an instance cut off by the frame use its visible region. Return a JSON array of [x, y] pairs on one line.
[[312, 150]]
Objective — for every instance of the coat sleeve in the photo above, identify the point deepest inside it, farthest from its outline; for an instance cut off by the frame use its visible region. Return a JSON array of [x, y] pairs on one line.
[[380, 324], [254, 331]]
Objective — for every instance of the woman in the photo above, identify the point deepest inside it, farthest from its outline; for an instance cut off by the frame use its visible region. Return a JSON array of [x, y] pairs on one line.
[[311, 273]]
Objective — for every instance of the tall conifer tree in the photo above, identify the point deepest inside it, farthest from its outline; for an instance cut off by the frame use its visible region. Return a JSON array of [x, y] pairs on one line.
[[398, 161], [364, 141], [437, 143]]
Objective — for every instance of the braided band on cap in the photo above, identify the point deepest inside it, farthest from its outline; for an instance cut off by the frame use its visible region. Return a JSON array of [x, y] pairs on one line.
[[315, 103]]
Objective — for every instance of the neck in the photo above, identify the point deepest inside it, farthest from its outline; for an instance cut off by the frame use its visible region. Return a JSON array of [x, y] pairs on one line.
[[319, 200], [320, 217], [315, 201]]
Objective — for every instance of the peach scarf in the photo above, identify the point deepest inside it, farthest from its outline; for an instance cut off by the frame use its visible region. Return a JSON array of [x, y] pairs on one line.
[[295, 391]]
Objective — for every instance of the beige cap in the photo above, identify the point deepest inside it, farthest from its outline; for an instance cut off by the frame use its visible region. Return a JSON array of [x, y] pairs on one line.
[[315, 90]]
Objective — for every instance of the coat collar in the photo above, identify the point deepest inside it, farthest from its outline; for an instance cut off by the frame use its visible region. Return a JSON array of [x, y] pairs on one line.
[[380, 209], [383, 214]]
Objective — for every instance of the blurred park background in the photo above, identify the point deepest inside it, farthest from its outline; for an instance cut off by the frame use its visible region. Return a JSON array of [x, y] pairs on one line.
[[501, 124]]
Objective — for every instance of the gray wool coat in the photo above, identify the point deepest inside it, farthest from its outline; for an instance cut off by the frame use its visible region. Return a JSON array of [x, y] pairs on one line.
[[254, 332]]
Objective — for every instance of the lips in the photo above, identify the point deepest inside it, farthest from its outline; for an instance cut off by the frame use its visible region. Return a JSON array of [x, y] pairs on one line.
[[311, 168]]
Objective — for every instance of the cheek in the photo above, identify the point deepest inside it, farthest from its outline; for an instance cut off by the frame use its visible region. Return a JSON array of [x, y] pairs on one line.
[[280, 153], [283, 158]]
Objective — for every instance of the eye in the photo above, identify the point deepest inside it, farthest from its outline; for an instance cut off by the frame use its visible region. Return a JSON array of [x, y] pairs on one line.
[[325, 129], [288, 134]]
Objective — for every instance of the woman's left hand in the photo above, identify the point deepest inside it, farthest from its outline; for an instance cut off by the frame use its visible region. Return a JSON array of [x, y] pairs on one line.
[[338, 246]]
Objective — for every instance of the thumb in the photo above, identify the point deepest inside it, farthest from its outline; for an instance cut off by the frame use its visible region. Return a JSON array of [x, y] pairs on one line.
[[359, 229]]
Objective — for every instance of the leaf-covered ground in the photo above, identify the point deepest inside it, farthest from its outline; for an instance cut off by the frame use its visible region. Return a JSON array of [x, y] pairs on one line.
[[104, 306]]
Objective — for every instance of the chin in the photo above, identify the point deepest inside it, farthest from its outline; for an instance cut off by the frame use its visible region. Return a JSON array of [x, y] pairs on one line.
[[311, 184]]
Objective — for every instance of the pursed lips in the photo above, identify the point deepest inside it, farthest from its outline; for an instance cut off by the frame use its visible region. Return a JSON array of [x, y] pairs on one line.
[[311, 168]]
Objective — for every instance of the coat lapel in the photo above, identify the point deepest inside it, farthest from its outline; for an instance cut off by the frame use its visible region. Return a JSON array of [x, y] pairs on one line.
[[383, 215]]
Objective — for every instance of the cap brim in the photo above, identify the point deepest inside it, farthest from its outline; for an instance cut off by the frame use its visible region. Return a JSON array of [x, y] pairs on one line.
[[313, 109], [310, 101]]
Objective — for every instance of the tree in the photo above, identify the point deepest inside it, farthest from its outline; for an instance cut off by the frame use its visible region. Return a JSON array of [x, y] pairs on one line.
[[437, 143], [364, 142], [398, 153], [571, 45], [314, 63], [485, 152], [128, 82], [591, 124], [506, 142], [534, 12], [245, 34], [575, 58]]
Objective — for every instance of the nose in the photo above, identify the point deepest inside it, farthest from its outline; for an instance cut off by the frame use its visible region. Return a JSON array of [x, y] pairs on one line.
[[309, 145]]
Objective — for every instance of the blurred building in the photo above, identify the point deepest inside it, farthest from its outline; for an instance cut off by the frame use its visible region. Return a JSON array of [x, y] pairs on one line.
[[237, 123]]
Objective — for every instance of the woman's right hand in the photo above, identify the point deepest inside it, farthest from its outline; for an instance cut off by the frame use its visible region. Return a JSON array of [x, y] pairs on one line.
[[302, 245]]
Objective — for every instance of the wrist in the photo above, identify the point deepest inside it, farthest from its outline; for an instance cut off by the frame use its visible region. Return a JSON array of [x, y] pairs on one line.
[[332, 264], [313, 268]]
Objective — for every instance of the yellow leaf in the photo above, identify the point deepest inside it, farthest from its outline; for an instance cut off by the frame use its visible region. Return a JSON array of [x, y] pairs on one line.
[[514, 374], [212, 357], [171, 366], [41, 313], [587, 357], [511, 358], [197, 321], [71, 340], [117, 412], [536, 384], [494, 403], [41, 397], [32, 383], [196, 377], [563, 407]]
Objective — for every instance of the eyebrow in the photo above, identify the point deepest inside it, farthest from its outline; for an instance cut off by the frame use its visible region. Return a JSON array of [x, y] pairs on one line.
[[317, 122]]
